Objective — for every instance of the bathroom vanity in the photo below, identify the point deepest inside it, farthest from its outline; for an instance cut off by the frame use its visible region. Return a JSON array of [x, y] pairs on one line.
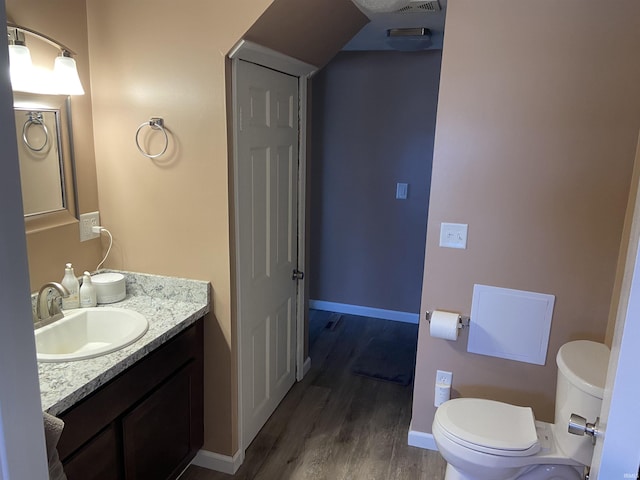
[[136, 413]]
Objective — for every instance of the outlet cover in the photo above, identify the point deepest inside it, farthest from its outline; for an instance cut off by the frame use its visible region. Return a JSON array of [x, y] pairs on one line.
[[443, 378], [442, 391], [88, 220]]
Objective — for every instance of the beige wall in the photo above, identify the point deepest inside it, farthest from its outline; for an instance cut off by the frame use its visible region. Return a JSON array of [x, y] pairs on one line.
[[50, 248], [311, 31], [171, 216], [538, 118], [544, 154]]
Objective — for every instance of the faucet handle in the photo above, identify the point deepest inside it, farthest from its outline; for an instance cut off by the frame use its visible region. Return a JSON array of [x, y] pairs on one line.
[[54, 307]]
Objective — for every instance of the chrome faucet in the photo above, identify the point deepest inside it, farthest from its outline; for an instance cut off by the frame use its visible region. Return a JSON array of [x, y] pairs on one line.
[[46, 312]]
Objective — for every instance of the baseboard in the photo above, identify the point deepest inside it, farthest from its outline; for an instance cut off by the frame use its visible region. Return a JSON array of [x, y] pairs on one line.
[[421, 439], [381, 313], [219, 463]]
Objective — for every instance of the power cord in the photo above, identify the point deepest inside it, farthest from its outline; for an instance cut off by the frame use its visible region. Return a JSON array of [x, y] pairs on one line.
[[99, 229]]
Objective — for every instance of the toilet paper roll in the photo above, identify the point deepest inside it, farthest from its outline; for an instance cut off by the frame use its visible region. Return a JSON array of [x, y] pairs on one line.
[[444, 325]]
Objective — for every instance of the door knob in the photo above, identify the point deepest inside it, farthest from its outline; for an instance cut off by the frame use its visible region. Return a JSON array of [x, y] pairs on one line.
[[579, 426], [297, 274]]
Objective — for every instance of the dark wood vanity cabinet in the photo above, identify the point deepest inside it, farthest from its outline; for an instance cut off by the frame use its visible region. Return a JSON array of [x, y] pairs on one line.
[[145, 424]]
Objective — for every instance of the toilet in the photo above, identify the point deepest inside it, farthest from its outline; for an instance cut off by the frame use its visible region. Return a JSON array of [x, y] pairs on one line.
[[488, 440]]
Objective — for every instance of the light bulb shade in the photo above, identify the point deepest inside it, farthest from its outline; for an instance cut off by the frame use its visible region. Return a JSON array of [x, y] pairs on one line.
[[21, 68], [65, 74], [382, 6]]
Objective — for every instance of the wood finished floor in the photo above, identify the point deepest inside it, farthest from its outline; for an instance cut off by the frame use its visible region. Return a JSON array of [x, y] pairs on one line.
[[335, 425]]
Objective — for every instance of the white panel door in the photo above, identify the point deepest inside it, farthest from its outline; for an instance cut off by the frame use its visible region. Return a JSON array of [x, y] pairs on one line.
[[617, 451], [267, 196]]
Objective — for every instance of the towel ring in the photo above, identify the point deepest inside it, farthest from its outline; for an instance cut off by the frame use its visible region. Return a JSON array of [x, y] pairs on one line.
[[35, 118], [155, 124]]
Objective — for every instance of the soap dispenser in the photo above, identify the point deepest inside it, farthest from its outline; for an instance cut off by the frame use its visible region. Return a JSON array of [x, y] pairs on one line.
[[88, 296], [71, 283]]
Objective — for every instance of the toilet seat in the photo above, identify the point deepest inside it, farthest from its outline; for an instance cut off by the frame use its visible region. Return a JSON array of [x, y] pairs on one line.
[[489, 426]]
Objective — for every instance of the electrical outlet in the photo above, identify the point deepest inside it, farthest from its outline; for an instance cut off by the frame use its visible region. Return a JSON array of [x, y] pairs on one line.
[[442, 391], [444, 378], [88, 220]]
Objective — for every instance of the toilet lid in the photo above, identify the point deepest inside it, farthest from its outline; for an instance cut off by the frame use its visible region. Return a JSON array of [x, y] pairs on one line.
[[489, 426]]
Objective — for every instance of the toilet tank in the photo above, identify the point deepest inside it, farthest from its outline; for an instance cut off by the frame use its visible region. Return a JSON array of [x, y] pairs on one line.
[[582, 369]]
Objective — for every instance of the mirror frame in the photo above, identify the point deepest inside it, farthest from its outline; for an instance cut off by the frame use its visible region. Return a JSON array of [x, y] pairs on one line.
[[69, 213]]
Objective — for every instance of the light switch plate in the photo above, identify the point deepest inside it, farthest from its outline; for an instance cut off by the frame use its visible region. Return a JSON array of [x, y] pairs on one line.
[[453, 235], [401, 191]]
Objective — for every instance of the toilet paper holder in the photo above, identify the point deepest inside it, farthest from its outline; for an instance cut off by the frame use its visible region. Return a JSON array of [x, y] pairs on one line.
[[463, 321]]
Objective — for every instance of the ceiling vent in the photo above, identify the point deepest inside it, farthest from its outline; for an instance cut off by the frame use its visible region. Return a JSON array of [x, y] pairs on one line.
[[420, 6], [409, 39]]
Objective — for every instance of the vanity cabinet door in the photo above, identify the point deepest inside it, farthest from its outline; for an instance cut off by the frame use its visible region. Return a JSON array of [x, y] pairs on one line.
[[147, 423], [98, 459], [159, 434]]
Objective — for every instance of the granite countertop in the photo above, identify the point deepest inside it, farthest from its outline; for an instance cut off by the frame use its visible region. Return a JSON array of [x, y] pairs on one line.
[[169, 304]]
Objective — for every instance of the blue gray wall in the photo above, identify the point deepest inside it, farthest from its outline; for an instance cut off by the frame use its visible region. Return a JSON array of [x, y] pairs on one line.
[[373, 125]]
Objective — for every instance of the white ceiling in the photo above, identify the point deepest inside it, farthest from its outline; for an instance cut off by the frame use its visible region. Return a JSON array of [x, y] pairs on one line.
[[373, 36]]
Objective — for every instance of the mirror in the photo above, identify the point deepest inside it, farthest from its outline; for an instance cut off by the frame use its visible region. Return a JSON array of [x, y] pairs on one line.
[[44, 151]]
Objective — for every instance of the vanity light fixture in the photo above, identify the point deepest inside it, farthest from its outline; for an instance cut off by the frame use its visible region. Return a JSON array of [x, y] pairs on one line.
[[20, 61], [65, 73], [63, 80]]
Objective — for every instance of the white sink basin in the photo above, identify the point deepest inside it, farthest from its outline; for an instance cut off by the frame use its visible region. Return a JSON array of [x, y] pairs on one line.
[[88, 333]]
